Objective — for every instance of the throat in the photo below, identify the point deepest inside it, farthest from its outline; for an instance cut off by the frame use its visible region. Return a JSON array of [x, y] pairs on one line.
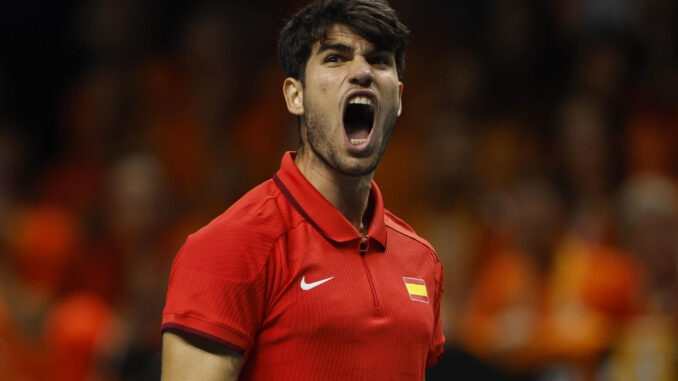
[[348, 194], [354, 203]]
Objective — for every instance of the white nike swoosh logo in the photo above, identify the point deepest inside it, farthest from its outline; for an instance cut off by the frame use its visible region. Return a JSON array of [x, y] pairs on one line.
[[307, 286]]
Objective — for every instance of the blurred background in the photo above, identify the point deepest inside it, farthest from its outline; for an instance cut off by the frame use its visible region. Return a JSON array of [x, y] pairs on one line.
[[536, 151]]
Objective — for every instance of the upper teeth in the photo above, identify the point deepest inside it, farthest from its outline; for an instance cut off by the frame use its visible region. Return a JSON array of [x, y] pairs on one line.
[[360, 100]]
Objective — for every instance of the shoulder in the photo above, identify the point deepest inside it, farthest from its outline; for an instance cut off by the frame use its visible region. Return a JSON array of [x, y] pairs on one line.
[[408, 237], [394, 223], [238, 243]]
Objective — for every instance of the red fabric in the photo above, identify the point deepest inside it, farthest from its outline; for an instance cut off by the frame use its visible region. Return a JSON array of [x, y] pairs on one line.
[[238, 281]]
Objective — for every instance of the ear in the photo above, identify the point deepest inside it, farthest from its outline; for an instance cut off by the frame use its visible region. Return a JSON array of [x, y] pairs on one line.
[[294, 96], [400, 98]]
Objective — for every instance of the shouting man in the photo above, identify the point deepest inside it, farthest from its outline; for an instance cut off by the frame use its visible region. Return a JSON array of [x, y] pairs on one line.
[[308, 277]]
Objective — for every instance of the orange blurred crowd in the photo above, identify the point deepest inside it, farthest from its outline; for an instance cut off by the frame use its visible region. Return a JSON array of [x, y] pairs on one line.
[[536, 152]]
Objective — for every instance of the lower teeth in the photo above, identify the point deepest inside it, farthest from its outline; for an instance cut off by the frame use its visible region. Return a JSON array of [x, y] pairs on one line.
[[357, 142]]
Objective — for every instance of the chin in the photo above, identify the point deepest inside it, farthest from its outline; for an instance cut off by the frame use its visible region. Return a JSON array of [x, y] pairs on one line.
[[364, 166]]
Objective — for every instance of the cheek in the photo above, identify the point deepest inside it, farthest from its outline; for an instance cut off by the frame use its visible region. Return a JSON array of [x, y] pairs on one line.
[[325, 84], [391, 87], [393, 99]]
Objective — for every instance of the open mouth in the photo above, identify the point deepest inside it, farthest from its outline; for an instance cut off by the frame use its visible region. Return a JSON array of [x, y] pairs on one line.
[[358, 119]]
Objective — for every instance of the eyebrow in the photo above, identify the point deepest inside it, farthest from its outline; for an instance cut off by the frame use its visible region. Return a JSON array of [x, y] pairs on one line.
[[348, 49], [336, 46]]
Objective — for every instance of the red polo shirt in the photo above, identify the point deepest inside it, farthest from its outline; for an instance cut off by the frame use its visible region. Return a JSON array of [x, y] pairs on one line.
[[283, 278]]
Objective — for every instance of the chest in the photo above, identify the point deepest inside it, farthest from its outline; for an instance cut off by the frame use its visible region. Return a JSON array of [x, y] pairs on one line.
[[335, 294]]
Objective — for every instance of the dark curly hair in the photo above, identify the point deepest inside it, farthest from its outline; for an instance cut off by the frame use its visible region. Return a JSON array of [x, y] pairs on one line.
[[374, 20]]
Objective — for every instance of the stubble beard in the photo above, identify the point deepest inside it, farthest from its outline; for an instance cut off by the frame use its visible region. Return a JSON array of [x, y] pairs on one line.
[[321, 144]]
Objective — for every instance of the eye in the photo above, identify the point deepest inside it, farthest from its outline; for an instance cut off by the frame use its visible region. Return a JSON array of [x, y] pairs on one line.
[[333, 58], [380, 60]]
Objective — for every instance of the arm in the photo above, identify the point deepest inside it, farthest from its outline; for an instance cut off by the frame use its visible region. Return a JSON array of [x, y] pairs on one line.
[[189, 357]]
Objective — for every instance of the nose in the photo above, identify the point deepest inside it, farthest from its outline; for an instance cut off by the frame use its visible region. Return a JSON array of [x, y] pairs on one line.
[[361, 72]]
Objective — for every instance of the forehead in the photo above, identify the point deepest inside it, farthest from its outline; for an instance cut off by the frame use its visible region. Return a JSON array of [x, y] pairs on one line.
[[343, 34]]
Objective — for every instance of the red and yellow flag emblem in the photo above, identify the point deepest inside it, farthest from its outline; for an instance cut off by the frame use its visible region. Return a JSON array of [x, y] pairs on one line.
[[417, 289]]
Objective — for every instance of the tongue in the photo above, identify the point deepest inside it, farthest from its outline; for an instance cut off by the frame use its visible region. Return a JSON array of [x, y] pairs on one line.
[[358, 133]]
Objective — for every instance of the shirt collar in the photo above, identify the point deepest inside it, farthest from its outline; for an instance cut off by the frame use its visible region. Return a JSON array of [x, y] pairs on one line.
[[320, 212]]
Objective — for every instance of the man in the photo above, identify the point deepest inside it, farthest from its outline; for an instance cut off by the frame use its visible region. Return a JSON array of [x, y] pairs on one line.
[[308, 277]]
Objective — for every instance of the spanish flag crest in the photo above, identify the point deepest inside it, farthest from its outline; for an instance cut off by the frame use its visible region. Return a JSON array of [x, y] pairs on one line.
[[416, 288]]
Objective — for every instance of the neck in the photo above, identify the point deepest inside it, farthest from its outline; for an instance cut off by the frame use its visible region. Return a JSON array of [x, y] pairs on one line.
[[349, 194]]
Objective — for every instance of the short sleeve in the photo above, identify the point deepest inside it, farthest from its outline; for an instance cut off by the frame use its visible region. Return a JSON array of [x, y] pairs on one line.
[[438, 339], [217, 291]]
